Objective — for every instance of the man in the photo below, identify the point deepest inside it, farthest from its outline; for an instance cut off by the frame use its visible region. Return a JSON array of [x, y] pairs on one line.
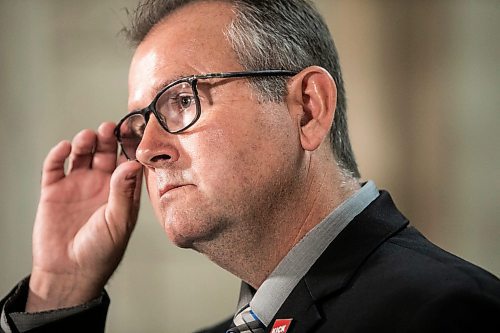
[[237, 120]]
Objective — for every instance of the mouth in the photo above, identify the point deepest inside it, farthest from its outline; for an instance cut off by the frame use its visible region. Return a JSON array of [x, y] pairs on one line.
[[170, 188]]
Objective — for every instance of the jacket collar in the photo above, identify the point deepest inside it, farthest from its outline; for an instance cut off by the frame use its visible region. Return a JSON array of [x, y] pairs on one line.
[[340, 261]]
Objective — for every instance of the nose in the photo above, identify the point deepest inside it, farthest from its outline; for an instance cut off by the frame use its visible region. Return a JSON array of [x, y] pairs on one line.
[[157, 147]]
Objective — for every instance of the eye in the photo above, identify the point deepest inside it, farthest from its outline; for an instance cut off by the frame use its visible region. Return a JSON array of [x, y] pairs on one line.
[[184, 101], [181, 102]]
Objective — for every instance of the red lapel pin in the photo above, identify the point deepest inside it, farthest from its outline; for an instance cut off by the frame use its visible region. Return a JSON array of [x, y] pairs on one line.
[[281, 325]]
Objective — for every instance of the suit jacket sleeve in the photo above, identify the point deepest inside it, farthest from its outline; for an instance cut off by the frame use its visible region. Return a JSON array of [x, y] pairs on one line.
[[88, 317]]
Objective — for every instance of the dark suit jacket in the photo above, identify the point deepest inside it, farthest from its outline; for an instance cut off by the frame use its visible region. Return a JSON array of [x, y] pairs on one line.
[[378, 275]]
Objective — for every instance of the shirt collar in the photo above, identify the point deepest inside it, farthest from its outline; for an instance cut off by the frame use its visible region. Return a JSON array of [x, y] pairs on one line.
[[266, 301]]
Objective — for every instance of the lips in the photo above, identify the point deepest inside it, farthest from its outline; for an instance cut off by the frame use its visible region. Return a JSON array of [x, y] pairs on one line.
[[169, 181], [165, 189]]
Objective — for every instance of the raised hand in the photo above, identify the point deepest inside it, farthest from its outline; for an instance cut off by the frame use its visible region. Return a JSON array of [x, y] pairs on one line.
[[84, 220]]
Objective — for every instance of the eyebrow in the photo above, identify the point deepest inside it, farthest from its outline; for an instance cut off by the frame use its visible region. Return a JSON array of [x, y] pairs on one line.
[[162, 84]]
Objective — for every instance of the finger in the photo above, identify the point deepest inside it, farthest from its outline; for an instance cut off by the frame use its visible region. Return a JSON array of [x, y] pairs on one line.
[[137, 192], [53, 166], [105, 152], [123, 203], [122, 158], [82, 150]]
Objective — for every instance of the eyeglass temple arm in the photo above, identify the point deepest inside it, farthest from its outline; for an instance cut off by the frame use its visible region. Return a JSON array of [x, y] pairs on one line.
[[273, 72]]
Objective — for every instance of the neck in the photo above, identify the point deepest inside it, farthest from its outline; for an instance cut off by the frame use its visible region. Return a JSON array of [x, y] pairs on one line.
[[269, 237]]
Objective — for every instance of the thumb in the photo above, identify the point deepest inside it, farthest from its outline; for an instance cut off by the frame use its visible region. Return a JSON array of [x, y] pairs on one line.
[[124, 199]]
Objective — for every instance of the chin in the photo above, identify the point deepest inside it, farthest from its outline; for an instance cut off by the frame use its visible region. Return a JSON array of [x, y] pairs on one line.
[[188, 230], [180, 241]]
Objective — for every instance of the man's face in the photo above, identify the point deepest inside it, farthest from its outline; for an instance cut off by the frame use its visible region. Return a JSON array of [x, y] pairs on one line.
[[232, 169]]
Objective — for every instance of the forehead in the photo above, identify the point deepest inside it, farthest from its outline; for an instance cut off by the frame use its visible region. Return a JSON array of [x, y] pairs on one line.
[[189, 41]]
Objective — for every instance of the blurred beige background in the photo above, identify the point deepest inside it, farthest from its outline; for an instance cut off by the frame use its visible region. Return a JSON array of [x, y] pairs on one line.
[[423, 81]]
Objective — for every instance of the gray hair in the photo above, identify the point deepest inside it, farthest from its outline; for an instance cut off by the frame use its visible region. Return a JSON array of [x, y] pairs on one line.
[[277, 34]]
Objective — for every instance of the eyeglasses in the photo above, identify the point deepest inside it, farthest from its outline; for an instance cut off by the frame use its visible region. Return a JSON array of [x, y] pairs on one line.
[[177, 107]]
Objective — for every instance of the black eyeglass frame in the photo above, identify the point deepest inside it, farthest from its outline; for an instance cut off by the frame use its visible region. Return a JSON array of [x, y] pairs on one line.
[[192, 80]]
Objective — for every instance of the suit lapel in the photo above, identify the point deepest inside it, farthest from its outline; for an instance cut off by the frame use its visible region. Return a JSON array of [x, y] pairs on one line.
[[365, 234], [340, 261], [301, 308]]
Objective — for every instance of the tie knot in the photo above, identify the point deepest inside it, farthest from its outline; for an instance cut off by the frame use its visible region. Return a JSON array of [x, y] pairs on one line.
[[245, 321]]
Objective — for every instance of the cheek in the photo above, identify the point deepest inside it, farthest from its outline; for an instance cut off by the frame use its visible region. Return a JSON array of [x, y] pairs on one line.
[[213, 157], [230, 160]]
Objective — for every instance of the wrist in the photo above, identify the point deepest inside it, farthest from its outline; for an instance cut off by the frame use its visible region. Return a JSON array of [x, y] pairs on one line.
[[49, 291]]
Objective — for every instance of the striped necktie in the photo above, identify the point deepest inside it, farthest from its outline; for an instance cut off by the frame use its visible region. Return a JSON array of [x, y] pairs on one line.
[[246, 321]]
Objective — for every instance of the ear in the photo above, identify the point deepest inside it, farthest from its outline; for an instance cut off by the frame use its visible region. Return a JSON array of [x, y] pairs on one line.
[[312, 97]]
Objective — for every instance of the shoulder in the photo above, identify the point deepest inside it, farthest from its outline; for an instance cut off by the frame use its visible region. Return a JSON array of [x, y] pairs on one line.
[[415, 259], [410, 284], [408, 265], [457, 310]]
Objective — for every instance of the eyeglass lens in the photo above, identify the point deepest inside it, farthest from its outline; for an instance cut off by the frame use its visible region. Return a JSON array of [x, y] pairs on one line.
[[131, 131], [176, 109]]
